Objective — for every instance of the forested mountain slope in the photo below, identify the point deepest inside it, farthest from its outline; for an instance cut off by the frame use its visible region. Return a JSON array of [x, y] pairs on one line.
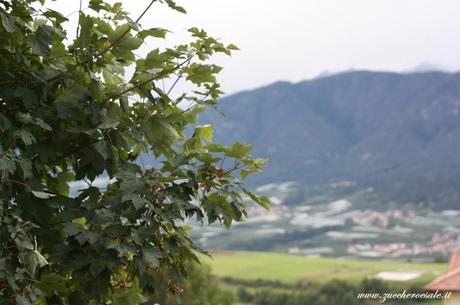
[[398, 133]]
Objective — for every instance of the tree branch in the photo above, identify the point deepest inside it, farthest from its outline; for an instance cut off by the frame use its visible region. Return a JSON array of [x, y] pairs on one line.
[[78, 29], [112, 45], [79, 19], [175, 83], [157, 76]]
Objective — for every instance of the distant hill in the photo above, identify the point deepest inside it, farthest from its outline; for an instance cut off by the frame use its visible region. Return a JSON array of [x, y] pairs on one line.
[[397, 133]]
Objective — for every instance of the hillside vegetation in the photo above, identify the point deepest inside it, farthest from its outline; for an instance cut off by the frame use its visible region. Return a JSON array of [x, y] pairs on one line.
[[395, 132]]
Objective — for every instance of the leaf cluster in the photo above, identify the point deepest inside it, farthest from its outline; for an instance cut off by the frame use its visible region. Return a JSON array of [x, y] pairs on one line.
[[71, 113]]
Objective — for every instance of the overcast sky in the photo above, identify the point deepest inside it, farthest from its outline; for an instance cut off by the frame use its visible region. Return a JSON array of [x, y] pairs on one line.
[[300, 39]]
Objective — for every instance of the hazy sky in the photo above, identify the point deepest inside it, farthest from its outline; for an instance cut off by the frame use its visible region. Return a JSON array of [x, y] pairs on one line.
[[299, 39]]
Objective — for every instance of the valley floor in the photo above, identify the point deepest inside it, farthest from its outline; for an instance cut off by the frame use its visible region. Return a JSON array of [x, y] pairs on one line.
[[267, 278], [292, 268]]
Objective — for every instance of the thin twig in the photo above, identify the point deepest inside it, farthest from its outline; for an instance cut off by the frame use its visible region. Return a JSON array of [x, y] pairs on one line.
[[18, 182], [234, 168], [142, 162], [112, 45], [194, 103], [177, 80], [157, 76], [79, 19], [78, 28]]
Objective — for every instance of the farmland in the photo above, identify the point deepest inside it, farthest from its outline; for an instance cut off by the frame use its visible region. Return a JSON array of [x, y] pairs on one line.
[[291, 268]]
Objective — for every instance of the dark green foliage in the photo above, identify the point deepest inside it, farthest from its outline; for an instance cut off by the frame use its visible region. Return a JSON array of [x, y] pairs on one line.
[[69, 112], [397, 133], [201, 288], [244, 295], [335, 292], [374, 285]]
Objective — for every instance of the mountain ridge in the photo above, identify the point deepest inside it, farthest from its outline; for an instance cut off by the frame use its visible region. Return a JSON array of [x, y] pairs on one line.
[[380, 129]]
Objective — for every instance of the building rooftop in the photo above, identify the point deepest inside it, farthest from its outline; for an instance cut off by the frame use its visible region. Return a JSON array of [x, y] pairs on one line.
[[451, 280]]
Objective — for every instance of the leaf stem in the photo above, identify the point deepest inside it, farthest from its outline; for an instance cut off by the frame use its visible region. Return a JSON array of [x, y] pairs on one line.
[[78, 28], [179, 76], [79, 19], [18, 182], [112, 45], [153, 78]]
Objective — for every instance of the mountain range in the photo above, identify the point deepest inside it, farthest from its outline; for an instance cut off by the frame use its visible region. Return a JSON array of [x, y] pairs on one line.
[[396, 133]]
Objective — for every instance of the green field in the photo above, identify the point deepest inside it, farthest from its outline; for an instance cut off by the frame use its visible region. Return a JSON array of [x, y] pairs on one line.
[[289, 268]]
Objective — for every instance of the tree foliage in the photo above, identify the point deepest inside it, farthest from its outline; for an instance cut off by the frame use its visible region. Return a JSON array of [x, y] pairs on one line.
[[202, 288], [70, 111]]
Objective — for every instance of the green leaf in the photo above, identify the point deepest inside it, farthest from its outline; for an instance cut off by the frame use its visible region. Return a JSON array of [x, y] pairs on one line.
[[175, 7], [86, 236], [29, 98], [255, 166], [153, 32], [233, 47], [7, 165], [97, 266], [213, 147], [102, 149], [108, 123], [8, 23], [20, 300], [42, 195], [198, 33], [33, 260], [117, 7], [26, 167], [56, 16], [131, 185], [238, 150], [40, 123], [26, 137], [155, 59], [111, 117], [199, 73], [263, 201], [80, 221], [98, 5], [62, 186], [51, 283], [205, 132], [24, 242], [160, 132], [72, 229], [152, 256], [129, 43], [128, 296], [86, 31], [118, 33], [137, 201], [123, 40], [41, 40], [5, 123], [68, 103]]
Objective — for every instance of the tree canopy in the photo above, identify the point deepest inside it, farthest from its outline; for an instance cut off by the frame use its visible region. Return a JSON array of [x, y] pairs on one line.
[[71, 111]]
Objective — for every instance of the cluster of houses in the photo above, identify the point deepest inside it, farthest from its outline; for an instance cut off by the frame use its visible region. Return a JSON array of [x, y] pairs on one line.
[[441, 244]]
